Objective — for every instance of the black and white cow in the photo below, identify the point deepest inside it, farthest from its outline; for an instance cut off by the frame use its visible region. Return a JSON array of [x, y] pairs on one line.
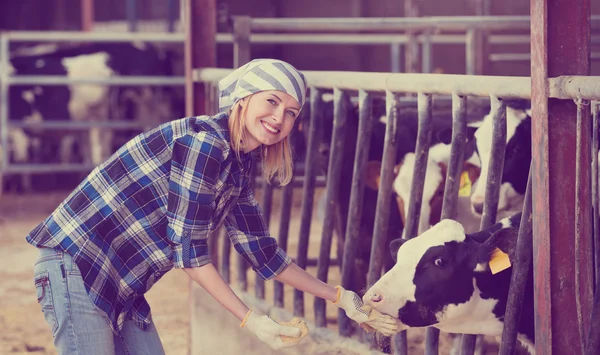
[[517, 157], [89, 102], [442, 279]]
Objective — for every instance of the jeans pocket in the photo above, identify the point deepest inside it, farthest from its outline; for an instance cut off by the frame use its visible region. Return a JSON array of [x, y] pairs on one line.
[[44, 298]]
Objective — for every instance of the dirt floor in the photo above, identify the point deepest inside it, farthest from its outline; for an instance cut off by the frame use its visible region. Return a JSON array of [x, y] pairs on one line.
[[22, 325]]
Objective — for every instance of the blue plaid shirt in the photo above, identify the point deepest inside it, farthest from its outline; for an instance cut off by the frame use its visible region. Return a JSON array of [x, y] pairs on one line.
[[151, 206]]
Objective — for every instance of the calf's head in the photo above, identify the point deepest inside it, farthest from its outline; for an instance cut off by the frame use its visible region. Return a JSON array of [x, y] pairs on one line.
[[433, 282]]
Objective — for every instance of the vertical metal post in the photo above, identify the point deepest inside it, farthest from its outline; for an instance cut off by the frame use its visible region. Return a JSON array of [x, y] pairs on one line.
[[426, 49], [470, 52], [87, 15], [519, 278], [132, 15], [595, 196], [559, 298], [172, 15], [411, 228], [395, 58], [267, 204], [492, 188], [365, 126], [200, 49], [449, 204], [411, 53], [242, 26], [284, 229], [308, 192], [225, 257], [4, 92], [336, 156], [382, 213]]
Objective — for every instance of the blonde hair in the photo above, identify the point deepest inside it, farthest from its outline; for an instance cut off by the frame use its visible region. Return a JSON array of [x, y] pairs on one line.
[[276, 159]]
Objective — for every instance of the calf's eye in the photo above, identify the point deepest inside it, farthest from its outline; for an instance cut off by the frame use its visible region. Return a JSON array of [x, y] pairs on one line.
[[441, 263]]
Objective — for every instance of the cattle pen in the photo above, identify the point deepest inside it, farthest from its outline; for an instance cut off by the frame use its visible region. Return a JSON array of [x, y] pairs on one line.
[[560, 229], [560, 224]]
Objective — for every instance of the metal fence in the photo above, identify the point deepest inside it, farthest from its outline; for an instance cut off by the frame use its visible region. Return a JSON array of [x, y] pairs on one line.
[[582, 89]]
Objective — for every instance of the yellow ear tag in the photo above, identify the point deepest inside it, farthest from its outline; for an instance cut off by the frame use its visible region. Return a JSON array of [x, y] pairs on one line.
[[465, 184], [499, 261]]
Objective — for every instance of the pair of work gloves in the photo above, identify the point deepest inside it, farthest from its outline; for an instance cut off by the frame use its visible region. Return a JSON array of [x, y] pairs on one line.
[[275, 334]]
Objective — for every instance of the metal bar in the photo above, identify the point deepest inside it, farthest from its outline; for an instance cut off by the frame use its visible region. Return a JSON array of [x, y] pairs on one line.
[[450, 202], [421, 155], [561, 87], [226, 257], [87, 16], [519, 278], [284, 230], [553, 147], [171, 15], [112, 81], [267, 204], [78, 125], [492, 189], [593, 340], [470, 52], [132, 17], [395, 58], [334, 171], [416, 193], [595, 196], [583, 259], [241, 40], [522, 57], [72, 36], [427, 59], [356, 205], [47, 168], [200, 49], [393, 23], [343, 38], [308, 192], [384, 200], [4, 102]]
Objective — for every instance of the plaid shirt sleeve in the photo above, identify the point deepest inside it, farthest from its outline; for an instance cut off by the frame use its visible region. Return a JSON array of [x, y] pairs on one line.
[[195, 167], [250, 237]]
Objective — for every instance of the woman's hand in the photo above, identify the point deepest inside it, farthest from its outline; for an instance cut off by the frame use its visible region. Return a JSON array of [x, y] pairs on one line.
[[270, 331], [356, 310]]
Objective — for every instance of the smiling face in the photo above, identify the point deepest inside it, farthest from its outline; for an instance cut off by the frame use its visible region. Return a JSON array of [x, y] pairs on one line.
[[270, 116]]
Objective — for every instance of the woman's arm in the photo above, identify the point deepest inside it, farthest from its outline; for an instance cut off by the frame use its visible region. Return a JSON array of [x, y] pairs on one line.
[[208, 277], [298, 278]]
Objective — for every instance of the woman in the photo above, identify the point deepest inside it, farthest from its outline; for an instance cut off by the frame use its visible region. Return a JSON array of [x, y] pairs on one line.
[[150, 207]]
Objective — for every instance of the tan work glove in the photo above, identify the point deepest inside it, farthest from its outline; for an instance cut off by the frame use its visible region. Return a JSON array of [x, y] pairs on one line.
[[270, 331], [356, 310]]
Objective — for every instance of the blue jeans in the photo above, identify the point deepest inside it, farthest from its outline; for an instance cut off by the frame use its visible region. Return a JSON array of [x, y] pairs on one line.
[[77, 326]]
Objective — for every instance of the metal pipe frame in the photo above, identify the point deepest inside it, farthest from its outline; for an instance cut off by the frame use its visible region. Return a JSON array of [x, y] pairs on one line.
[[595, 192], [336, 157], [520, 275], [453, 23], [449, 204], [308, 192], [287, 197], [113, 81], [416, 194], [560, 87], [360, 158], [384, 197], [492, 188]]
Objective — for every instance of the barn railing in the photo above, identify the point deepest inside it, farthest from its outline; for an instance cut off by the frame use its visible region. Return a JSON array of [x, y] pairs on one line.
[[582, 89]]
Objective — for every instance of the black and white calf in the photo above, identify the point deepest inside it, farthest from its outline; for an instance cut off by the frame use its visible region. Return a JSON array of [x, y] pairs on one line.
[[516, 161], [442, 279]]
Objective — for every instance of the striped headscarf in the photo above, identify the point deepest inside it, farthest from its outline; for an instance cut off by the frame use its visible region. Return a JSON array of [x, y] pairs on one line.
[[261, 75]]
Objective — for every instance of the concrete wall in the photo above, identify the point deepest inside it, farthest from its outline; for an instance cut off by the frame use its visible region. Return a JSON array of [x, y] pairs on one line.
[[215, 331]]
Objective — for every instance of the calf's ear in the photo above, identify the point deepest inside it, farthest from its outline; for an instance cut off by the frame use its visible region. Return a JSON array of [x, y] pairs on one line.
[[504, 239], [395, 246]]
